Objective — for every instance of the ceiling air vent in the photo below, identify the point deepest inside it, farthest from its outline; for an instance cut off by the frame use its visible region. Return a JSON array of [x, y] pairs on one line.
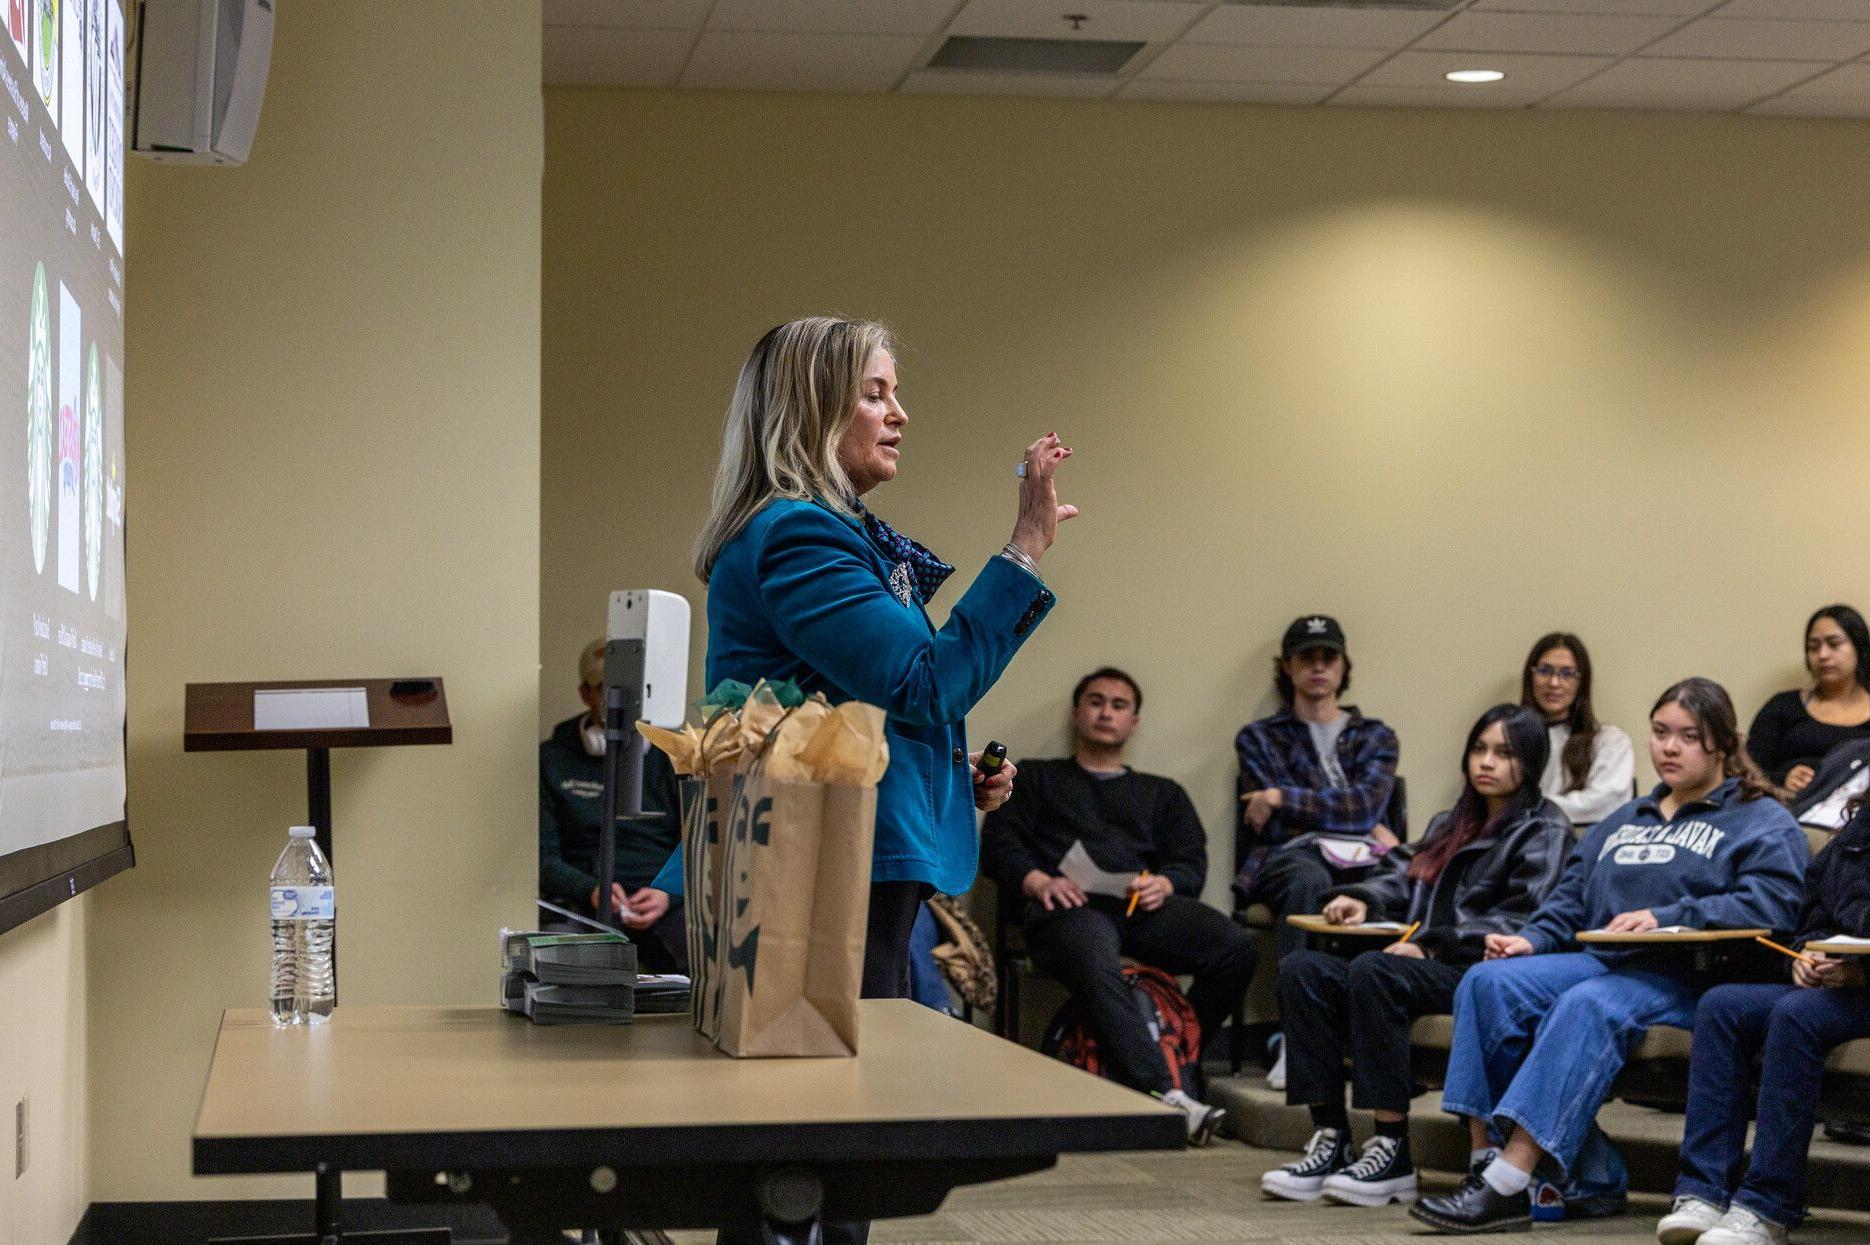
[[1427, 6], [1035, 55]]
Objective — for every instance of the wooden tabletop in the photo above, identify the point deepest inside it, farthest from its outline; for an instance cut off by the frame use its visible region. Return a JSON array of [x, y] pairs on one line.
[[1838, 948], [218, 717], [1318, 925], [1687, 937], [385, 1088]]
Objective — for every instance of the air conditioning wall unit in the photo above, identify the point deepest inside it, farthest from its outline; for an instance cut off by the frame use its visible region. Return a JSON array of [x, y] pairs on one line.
[[201, 69]]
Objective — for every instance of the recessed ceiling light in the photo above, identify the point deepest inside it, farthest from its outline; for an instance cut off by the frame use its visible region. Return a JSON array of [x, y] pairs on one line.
[[1474, 75]]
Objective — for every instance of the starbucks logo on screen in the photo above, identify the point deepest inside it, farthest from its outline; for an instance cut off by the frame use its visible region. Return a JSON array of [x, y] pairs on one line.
[[39, 419], [93, 474]]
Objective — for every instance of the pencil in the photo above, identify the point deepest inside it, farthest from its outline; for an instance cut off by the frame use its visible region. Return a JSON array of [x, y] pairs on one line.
[[1136, 895], [1783, 950], [1410, 932]]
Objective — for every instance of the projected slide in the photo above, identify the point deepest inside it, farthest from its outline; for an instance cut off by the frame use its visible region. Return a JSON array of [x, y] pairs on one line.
[[62, 608]]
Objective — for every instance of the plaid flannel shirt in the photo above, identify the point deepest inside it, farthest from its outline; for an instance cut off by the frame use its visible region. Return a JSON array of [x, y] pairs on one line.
[[1278, 752]]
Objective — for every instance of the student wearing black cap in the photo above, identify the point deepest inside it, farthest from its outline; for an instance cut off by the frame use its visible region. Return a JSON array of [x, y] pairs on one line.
[[1314, 780]]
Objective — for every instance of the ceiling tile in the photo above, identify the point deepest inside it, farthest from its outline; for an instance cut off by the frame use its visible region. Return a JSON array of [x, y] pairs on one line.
[[1424, 97], [1643, 101], [1220, 62], [1641, 8], [1795, 10], [636, 14], [737, 60], [961, 82], [1228, 92], [1811, 106], [1152, 21], [1534, 75], [1767, 40], [609, 56], [850, 17], [1573, 33], [1844, 82], [1704, 83], [1285, 26]]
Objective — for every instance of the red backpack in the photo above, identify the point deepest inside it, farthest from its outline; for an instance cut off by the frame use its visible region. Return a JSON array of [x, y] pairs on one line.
[[1164, 1008]]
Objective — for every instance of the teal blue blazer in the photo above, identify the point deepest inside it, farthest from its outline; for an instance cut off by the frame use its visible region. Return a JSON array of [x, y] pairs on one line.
[[803, 593]]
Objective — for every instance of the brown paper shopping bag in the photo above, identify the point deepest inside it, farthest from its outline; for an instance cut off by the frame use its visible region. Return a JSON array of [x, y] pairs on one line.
[[789, 952], [703, 875]]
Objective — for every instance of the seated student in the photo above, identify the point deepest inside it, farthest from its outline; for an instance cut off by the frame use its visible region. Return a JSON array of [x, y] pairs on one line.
[[1129, 823], [1793, 732], [1541, 1031], [1482, 868], [1842, 779], [571, 808], [1592, 764], [1721, 1198], [1314, 780]]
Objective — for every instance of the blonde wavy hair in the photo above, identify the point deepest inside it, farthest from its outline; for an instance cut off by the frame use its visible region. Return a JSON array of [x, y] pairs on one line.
[[795, 398]]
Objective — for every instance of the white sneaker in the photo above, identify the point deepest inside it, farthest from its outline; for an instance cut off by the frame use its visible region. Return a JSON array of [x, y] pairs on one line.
[[1381, 1175], [1740, 1226], [1303, 1180], [1202, 1119], [1276, 1079], [1687, 1219]]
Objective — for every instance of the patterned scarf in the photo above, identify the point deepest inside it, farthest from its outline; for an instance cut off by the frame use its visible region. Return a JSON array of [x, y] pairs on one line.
[[918, 573]]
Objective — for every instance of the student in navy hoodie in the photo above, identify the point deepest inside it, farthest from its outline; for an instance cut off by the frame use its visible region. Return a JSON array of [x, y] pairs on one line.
[[1721, 1197], [1542, 1029], [1483, 868]]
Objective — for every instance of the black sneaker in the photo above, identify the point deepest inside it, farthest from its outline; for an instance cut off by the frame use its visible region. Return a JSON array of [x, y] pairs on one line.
[[1475, 1207], [1381, 1175], [1328, 1151]]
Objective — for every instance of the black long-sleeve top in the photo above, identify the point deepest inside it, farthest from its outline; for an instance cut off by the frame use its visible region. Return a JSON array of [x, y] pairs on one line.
[[1837, 886], [1784, 735], [1128, 823]]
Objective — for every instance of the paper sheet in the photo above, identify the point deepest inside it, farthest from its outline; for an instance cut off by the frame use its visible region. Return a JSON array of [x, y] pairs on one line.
[[1396, 926], [310, 709], [1842, 940], [1660, 929], [1080, 868]]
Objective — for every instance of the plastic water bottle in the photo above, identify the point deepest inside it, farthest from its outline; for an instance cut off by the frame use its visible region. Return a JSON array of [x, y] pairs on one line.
[[304, 909]]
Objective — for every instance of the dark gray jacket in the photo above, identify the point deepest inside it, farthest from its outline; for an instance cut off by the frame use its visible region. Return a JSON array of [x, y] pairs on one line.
[[1498, 881]]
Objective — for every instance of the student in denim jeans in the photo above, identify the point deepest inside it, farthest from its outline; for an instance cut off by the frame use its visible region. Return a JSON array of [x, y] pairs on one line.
[[1718, 1201], [1541, 1032]]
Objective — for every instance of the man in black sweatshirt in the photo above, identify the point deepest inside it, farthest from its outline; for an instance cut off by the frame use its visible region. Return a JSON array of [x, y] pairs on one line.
[[1138, 824], [571, 804]]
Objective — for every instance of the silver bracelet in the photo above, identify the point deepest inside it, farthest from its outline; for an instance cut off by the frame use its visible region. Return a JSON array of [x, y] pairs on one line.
[[1023, 560]]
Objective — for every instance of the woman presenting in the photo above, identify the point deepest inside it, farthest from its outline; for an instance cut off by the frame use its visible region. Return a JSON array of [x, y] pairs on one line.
[[806, 583]]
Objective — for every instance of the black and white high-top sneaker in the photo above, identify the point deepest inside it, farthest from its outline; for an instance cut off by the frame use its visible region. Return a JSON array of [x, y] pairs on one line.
[[1303, 1180], [1382, 1174]]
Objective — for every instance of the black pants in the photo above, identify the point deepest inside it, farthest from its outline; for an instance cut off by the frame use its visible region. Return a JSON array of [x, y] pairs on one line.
[[1082, 947], [1294, 880], [893, 908], [1362, 1007]]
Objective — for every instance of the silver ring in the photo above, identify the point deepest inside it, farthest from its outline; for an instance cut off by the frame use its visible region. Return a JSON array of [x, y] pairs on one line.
[[1020, 471]]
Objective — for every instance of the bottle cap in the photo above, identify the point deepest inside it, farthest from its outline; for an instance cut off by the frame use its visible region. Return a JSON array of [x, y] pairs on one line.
[[303, 832]]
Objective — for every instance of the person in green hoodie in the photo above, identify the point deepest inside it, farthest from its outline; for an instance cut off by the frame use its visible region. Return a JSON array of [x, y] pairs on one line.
[[571, 796]]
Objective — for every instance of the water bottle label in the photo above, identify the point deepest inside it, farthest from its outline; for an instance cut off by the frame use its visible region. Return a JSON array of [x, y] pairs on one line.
[[304, 903]]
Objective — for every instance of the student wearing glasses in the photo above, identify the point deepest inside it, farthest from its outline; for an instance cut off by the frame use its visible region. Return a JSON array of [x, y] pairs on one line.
[[1592, 766], [1543, 1028], [1794, 730]]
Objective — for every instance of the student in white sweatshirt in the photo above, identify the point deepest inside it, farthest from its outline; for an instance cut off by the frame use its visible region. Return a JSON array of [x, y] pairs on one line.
[[1592, 764]]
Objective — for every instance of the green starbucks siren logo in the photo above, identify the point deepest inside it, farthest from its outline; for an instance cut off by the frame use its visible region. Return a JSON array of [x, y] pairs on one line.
[[39, 419], [93, 475]]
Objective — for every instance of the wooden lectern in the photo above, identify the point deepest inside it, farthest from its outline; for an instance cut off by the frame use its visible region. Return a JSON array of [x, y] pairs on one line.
[[220, 717]]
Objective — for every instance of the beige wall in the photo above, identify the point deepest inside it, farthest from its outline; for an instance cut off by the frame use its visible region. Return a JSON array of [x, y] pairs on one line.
[[1457, 378], [334, 456], [42, 1031]]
